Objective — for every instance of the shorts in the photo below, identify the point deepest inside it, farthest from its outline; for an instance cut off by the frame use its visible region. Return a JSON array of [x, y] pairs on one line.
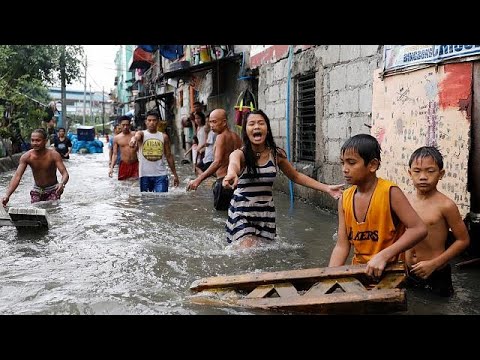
[[439, 282], [204, 166], [44, 194], [154, 183], [127, 171], [221, 196]]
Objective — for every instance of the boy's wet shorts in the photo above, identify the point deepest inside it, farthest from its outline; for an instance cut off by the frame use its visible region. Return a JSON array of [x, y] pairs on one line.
[[439, 282], [44, 194], [128, 171]]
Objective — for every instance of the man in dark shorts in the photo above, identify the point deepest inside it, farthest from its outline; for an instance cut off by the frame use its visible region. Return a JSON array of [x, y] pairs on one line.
[[221, 195], [226, 142]]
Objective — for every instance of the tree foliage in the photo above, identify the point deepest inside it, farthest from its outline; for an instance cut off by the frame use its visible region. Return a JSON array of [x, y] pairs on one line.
[[26, 71]]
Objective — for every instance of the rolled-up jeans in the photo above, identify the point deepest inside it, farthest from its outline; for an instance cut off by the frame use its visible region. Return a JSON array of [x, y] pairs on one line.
[[154, 183]]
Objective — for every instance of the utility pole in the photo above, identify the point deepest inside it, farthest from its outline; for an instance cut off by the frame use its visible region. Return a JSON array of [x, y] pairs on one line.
[[91, 105], [103, 110], [85, 92], [63, 120]]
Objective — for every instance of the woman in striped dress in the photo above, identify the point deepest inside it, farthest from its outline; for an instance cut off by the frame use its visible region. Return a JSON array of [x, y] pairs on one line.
[[251, 172]]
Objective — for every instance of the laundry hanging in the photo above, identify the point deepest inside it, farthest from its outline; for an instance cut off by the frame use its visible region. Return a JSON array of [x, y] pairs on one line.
[[171, 52], [149, 48], [141, 59], [245, 103]]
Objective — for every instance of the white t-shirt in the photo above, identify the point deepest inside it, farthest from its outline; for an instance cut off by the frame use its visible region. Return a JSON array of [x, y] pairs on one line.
[[151, 159], [208, 157]]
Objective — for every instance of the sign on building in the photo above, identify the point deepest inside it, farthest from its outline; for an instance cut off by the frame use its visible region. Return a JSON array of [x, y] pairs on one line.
[[411, 57]]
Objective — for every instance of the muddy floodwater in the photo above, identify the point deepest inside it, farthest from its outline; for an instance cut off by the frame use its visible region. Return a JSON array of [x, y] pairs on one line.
[[113, 250]]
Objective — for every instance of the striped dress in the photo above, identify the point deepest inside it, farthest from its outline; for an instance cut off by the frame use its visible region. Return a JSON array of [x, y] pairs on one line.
[[251, 210]]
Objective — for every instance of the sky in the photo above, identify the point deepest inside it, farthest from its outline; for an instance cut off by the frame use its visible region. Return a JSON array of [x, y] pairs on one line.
[[100, 68]]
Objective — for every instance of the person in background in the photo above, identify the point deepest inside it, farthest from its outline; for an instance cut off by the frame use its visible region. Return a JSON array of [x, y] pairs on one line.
[[116, 130], [201, 135], [227, 141], [190, 128], [202, 132], [251, 172], [197, 108], [44, 163], [153, 150], [62, 144], [188, 133], [374, 215], [192, 149], [427, 262], [51, 131], [206, 149], [49, 121], [128, 167]]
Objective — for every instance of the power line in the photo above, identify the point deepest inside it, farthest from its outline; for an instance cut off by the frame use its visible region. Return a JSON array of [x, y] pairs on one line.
[[28, 97]]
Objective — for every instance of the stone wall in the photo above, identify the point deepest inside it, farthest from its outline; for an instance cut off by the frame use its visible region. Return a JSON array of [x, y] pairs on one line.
[[344, 78], [10, 162]]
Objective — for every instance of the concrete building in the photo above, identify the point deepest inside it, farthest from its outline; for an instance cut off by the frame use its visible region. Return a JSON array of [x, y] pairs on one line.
[[317, 96], [98, 106], [122, 96]]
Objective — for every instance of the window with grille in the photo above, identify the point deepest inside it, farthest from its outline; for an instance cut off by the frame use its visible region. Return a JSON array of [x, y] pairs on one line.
[[305, 127]]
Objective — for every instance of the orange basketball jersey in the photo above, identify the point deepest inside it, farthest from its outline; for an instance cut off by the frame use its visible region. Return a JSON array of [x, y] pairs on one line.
[[378, 231]]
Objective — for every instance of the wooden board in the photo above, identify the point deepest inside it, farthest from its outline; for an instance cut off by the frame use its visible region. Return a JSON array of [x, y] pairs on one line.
[[342, 289], [307, 276], [4, 218], [29, 217]]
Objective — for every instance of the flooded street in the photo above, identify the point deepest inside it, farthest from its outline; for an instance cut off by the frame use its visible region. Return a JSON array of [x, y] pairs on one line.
[[113, 250]]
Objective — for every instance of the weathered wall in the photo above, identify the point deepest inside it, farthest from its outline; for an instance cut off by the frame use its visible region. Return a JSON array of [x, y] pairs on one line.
[[425, 107], [215, 90], [343, 103], [10, 162]]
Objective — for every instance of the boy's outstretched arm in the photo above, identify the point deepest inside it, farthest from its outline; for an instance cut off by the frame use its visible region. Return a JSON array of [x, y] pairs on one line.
[[424, 269], [342, 247], [415, 231]]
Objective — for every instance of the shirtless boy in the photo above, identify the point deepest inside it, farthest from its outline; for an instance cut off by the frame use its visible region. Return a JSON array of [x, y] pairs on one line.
[[44, 164], [128, 167], [427, 262]]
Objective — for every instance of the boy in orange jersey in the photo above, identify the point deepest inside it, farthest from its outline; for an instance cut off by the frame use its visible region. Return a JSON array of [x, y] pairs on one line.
[[374, 215], [427, 262]]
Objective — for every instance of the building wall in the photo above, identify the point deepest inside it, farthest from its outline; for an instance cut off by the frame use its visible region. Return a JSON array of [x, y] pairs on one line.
[[424, 107], [209, 92], [344, 78], [94, 102], [122, 60]]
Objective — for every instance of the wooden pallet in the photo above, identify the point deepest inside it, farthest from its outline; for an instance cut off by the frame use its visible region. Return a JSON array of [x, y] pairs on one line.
[[24, 217], [329, 290]]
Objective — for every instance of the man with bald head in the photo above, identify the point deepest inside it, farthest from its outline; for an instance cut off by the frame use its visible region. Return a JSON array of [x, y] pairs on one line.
[[227, 141]]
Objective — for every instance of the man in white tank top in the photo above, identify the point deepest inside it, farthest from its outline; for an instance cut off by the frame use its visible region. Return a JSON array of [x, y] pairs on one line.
[[154, 148]]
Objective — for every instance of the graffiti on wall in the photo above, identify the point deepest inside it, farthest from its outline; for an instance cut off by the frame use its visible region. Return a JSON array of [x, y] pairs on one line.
[[429, 106]]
